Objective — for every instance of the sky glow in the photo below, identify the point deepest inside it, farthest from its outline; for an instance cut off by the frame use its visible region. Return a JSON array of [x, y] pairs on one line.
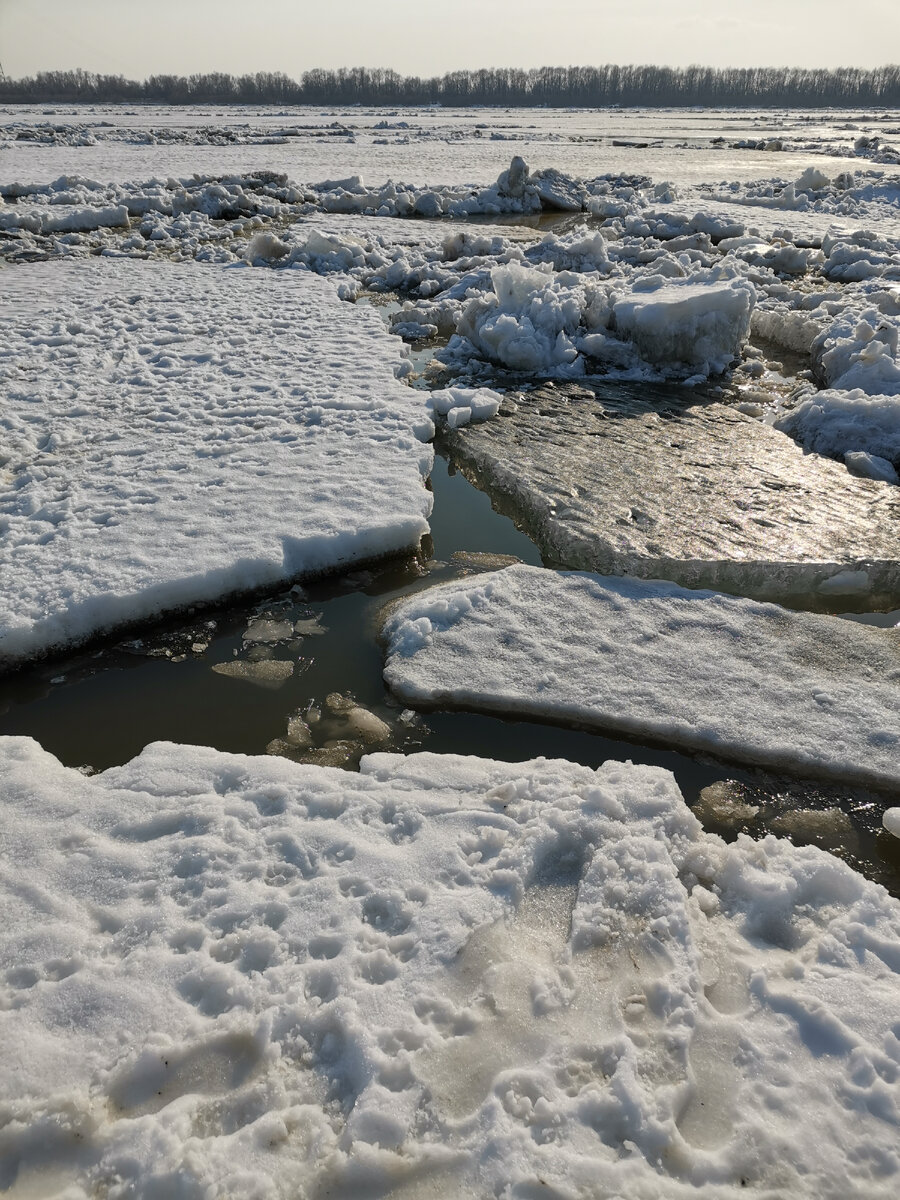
[[138, 38]]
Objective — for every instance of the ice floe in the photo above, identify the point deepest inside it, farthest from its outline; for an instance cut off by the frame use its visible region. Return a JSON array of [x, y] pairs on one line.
[[751, 682], [636, 482], [172, 434], [442, 976]]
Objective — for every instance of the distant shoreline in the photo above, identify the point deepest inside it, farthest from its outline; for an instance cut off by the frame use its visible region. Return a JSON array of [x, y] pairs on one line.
[[552, 87]]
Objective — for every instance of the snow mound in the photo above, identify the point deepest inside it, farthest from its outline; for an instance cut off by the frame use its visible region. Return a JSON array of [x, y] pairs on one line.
[[174, 433], [227, 976], [838, 423], [747, 681], [547, 317]]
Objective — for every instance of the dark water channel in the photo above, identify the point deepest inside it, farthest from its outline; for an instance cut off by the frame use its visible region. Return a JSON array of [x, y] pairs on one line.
[[100, 707]]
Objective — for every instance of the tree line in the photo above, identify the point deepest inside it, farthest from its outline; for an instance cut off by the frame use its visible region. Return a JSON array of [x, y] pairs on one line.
[[556, 87]]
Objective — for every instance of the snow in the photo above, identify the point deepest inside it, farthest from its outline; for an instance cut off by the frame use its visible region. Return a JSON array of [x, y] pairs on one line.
[[839, 423], [443, 976], [756, 683], [173, 434]]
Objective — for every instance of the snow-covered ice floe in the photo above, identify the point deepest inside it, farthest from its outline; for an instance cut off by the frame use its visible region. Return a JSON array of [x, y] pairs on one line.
[[445, 976], [634, 482], [849, 425], [747, 681], [172, 434]]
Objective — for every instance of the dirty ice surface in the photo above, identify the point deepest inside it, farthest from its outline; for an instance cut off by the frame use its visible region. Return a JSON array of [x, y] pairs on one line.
[[173, 433], [442, 976], [792, 691]]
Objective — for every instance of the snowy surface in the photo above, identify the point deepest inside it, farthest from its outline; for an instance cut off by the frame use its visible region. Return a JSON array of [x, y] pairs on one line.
[[792, 691], [840, 423], [640, 483], [444, 976], [173, 434]]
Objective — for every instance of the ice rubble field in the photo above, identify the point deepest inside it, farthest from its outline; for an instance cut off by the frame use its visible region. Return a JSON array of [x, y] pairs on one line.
[[749, 681], [173, 434], [442, 976], [450, 976], [438, 145]]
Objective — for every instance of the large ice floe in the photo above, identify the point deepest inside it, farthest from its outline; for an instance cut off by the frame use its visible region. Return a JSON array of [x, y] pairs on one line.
[[443, 976], [795, 692], [636, 482], [173, 434]]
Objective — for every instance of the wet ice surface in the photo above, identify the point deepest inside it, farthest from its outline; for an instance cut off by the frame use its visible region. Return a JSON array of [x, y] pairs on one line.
[[441, 976], [631, 480]]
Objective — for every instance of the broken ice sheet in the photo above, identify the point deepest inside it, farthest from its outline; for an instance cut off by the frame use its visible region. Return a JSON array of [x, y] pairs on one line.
[[641, 481], [811, 695], [267, 673], [191, 468], [267, 630]]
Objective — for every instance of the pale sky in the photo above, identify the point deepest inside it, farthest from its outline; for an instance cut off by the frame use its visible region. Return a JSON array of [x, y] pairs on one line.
[[137, 38]]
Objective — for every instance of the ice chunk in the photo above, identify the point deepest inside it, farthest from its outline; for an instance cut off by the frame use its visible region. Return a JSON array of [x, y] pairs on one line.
[[267, 246], [637, 482], [699, 325], [721, 804], [513, 181], [458, 406], [836, 422], [756, 683], [558, 191], [870, 466], [264, 629], [830, 828], [267, 673], [812, 180]]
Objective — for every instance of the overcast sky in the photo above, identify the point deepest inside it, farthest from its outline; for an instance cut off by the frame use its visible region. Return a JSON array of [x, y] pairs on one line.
[[140, 37]]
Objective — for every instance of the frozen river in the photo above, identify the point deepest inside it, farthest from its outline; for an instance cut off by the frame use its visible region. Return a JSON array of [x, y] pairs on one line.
[[433, 146], [351, 844]]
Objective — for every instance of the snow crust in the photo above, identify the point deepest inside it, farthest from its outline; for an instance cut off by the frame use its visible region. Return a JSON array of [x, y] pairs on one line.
[[752, 682], [173, 434], [443, 976]]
